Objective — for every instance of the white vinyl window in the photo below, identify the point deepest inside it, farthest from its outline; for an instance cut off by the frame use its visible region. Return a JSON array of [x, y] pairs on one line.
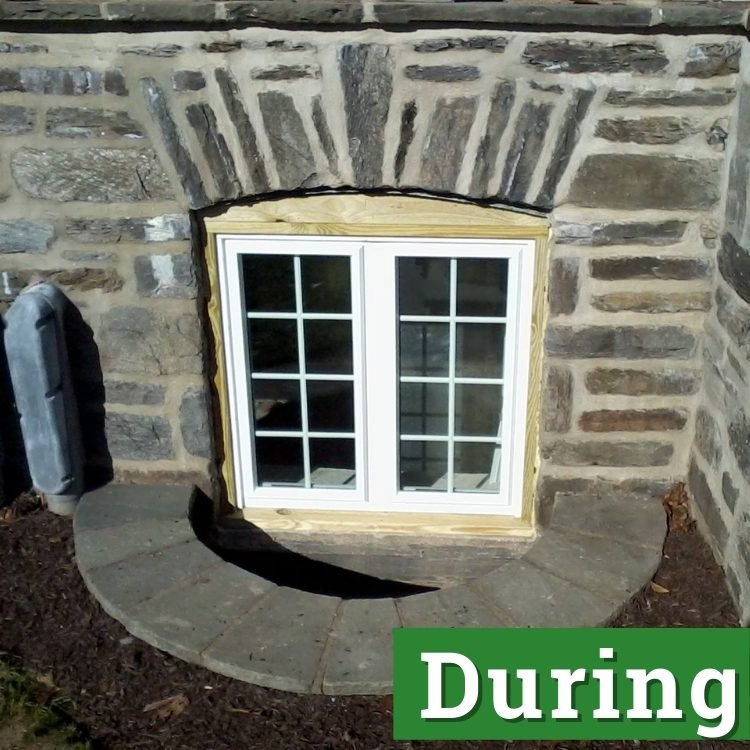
[[384, 374]]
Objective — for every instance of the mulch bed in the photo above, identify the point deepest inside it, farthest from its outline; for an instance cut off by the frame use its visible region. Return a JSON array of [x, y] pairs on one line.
[[50, 624]]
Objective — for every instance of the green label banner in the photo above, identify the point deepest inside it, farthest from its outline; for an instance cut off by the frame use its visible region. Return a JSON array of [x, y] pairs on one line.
[[556, 684]]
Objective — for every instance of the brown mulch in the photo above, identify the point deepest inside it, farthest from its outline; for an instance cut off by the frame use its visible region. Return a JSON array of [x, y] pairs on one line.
[[51, 625]]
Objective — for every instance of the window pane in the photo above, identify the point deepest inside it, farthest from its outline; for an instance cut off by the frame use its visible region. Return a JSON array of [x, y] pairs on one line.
[[423, 286], [278, 460], [423, 408], [273, 345], [330, 406], [424, 348], [332, 463], [326, 286], [276, 405], [479, 350], [423, 465], [482, 286], [328, 346], [478, 409], [476, 467], [269, 283]]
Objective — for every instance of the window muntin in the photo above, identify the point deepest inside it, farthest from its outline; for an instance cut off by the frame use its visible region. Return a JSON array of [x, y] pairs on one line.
[[444, 364]]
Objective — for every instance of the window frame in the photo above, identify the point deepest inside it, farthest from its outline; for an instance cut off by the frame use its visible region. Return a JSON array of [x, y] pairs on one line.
[[369, 217]]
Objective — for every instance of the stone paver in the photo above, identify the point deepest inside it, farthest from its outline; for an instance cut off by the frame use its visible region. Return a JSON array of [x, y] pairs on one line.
[[359, 652], [138, 555]]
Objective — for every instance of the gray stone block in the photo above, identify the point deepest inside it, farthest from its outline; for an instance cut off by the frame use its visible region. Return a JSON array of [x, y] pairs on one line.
[[188, 80], [601, 453], [604, 566], [187, 620], [113, 505], [278, 643], [154, 229], [640, 181], [324, 134], [707, 437], [647, 130], [155, 50], [16, 120], [96, 548], [122, 586], [557, 399], [142, 394], [663, 382], [442, 73], [734, 265], [594, 57], [671, 98], [534, 598], [701, 493], [455, 607], [729, 491], [406, 136], [625, 342], [100, 175], [138, 437], [708, 60], [25, 236], [631, 233], [195, 422], [285, 73], [21, 48], [85, 122], [563, 286], [680, 269], [367, 79], [623, 517], [169, 275], [361, 636], [461, 44]]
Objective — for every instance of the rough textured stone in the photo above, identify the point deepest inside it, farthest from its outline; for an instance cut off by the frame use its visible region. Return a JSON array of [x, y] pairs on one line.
[[355, 663], [444, 147], [735, 318], [707, 438], [563, 286], [681, 269], [640, 181], [157, 229], [78, 279], [134, 339], [100, 175], [729, 491], [221, 46], [156, 50], [139, 394], [324, 134], [632, 420], [192, 183], [652, 302], [168, 275], [294, 13], [58, 81], [138, 438], [25, 236], [454, 607], [594, 57], [701, 493], [367, 79], [245, 131], [599, 453], [662, 382], [114, 83], [16, 120], [525, 150], [20, 48], [488, 43], [215, 150], [295, 163], [442, 73], [195, 422], [648, 130], [625, 342], [188, 80], [557, 403], [708, 60], [734, 265], [631, 233], [155, 11], [566, 141], [406, 136], [501, 104], [739, 441], [83, 122], [671, 98], [285, 73]]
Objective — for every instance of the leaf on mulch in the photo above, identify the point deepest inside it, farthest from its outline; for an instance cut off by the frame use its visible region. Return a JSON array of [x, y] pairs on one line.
[[678, 511], [658, 588], [8, 515], [167, 708]]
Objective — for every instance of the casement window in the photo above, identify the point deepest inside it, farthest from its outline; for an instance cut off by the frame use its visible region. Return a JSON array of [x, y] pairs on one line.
[[376, 373]]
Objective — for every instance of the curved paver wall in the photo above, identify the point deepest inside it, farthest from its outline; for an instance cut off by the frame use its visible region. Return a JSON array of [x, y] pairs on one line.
[[109, 140]]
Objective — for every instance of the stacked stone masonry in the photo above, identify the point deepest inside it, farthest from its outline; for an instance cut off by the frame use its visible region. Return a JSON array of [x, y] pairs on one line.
[[112, 143]]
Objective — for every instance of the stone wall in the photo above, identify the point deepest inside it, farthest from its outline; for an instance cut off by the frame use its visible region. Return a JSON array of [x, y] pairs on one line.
[[109, 141], [719, 467]]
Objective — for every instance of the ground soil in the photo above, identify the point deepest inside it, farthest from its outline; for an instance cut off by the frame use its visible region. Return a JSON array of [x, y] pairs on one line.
[[51, 625]]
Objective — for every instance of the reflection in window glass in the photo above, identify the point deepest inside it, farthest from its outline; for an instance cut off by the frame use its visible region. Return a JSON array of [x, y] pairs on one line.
[[477, 409], [269, 283], [332, 463], [423, 286], [423, 465], [279, 461], [476, 467], [482, 287], [276, 405], [423, 408], [328, 346], [424, 348], [479, 350], [330, 405], [273, 345], [326, 287]]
